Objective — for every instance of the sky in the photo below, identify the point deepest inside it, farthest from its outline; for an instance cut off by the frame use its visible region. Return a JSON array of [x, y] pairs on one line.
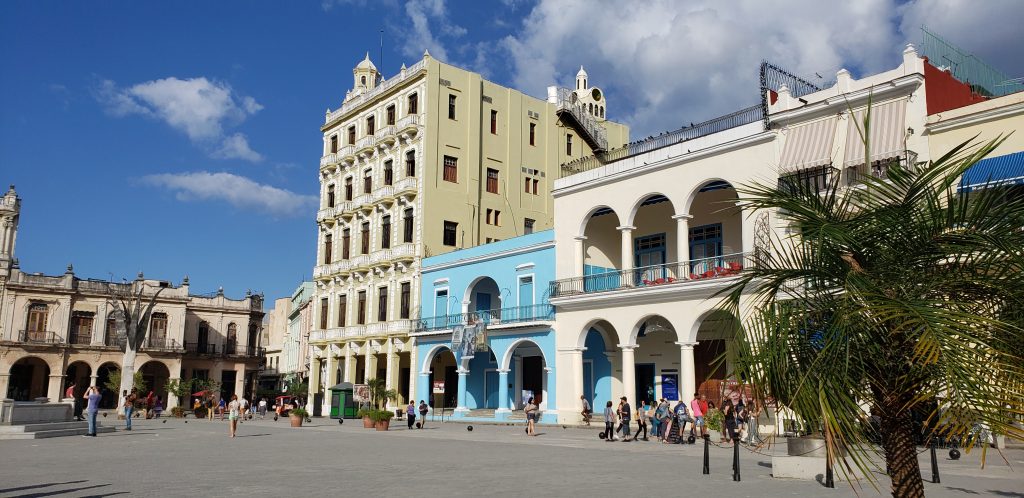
[[182, 138]]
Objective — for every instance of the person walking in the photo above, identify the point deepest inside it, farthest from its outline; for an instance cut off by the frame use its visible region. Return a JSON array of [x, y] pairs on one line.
[[699, 409], [234, 411], [624, 417], [587, 412], [263, 408], [149, 403], [158, 407], [129, 407], [92, 398], [609, 423], [681, 418], [410, 413], [729, 412], [654, 420], [77, 402], [423, 413], [641, 420], [210, 408], [531, 418], [222, 405]]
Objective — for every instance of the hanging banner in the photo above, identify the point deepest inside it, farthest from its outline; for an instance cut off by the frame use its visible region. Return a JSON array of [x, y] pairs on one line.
[[438, 387]]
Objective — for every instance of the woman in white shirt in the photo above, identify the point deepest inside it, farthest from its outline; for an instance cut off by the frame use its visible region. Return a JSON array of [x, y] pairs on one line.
[[234, 409]]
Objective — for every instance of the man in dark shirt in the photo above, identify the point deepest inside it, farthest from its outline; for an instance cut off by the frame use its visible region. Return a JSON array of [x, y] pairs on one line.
[[624, 417]]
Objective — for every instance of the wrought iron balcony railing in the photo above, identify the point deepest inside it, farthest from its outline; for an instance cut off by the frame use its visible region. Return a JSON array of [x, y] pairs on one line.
[[533, 313], [680, 273], [39, 337], [201, 348], [162, 344]]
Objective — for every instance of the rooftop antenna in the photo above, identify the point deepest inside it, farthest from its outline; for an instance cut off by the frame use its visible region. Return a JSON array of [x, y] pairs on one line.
[[382, 53]]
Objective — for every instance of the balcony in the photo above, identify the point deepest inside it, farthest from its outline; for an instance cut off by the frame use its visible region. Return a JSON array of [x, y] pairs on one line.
[[493, 318], [387, 134], [573, 113], [234, 349], [162, 344], [117, 341], [201, 348], [385, 193], [391, 327], [366, 144], [858, 173], [404, 251], [409, 124], [80, 338], [329, 160], [346, 154], [655, 276], [363, 201], [407, 186], [41, 337]]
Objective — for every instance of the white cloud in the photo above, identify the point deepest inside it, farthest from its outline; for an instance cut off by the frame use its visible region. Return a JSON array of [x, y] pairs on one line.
[[430, 24], [198, 107], [238, 191], [664, 63], [236, 146]]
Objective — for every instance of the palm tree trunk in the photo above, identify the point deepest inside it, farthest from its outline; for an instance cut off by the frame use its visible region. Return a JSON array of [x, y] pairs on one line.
[[901, 453]]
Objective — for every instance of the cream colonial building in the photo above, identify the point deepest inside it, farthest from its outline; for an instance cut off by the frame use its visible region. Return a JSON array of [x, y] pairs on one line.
[[434, 159], [55, 330], [647, 234]]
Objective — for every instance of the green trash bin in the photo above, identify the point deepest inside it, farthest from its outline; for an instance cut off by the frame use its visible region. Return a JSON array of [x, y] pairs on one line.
[[342, 404]]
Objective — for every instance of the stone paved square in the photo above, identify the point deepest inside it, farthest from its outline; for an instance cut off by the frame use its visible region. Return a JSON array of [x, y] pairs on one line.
[[169, 457]]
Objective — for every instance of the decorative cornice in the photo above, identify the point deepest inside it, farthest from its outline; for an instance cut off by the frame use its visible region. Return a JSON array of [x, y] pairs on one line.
[[488, 257], [975, 118]]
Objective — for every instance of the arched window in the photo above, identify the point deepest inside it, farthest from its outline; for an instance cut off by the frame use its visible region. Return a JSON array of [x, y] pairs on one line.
[[232, 340], [362, 80], [602, 111]]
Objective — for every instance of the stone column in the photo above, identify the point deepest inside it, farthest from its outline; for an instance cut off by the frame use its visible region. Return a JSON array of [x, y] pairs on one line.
[[54, 391], [626, 260], [370, 365], [517, 382], [463, 378], [5, 383], [314, 378], [422, 387], [579, 249], [502, 391], [687, 372], [577, 378], [172, 399], [389, 362], [629, 373], [682, 243], [240, 381], [331, 373], [350, 364], [413, 370]]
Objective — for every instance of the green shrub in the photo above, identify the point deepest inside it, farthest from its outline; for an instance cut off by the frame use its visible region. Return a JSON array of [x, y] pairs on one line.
[[715, 420], [298, 412], [381, 415]]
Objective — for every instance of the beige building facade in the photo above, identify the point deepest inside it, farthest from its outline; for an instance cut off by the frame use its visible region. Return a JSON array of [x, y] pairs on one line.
[[56, 330], [432, 160]]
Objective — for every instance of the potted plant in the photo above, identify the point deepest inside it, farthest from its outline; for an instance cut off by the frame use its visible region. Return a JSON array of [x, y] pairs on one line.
[[382, 419], [178, 412], [296, 416], [367, 415]]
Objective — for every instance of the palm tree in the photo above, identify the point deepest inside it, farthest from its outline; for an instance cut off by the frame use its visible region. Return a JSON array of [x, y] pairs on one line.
[[896, 301]]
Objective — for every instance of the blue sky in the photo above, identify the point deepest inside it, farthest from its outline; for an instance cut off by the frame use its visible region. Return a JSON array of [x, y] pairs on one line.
[[182, 137]]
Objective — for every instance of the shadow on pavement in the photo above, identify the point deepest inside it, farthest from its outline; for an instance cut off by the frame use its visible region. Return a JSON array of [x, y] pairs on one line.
[[35, 486], [69, 491]]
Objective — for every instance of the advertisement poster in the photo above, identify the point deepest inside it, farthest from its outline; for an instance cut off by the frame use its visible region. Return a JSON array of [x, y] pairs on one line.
[[670, 386], [361, 393], [438, 387]]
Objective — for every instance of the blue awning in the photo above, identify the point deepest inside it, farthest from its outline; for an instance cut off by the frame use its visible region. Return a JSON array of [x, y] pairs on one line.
[[993, 172]]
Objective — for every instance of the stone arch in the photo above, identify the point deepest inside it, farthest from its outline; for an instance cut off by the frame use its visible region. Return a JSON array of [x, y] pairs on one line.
[[635, 208], [29, 378], [692, 194], [604, 328], [590, 214], [506, 359], [428, 358], [469, 298], [635, 330]]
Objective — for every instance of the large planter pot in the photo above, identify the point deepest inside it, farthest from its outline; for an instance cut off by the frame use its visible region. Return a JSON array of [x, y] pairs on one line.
[[809, 447], [367, 423], [383, 425], [296, 421]]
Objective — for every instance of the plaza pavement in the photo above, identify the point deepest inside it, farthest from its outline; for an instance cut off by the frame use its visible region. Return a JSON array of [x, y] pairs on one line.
[[168, 457]]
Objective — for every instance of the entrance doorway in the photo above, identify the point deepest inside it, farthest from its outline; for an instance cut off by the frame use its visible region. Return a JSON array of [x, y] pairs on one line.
[[645, 390], [29, 378]]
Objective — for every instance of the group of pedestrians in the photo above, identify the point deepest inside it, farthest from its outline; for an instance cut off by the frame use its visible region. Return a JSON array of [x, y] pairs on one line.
[[410, 414], [658, 419]]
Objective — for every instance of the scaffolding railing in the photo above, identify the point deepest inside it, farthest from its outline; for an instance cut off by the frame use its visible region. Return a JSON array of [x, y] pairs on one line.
[[967, 67]]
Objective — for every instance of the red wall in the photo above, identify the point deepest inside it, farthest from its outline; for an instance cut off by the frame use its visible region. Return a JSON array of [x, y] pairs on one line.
[[944, 92]]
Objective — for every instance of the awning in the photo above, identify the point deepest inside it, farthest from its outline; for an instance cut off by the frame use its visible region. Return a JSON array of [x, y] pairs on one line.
[[886, 133], [809, 145], [84, 307], [994, 171]]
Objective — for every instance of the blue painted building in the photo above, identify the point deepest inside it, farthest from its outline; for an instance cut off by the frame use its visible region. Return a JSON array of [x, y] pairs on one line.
[[501, 291]]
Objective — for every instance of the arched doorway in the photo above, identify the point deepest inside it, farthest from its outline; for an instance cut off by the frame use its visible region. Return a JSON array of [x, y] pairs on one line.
[[714, 354], [78, 373], [715, 240], [657, 361], [602, 252], [443, 369], [484, 299], [109, 395], [155, 374], [599, 340], [527, 373], [29, 379]]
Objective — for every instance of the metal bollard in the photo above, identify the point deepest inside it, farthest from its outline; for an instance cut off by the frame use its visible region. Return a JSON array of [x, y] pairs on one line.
[[935, 465], [736, 458], [707, 465]]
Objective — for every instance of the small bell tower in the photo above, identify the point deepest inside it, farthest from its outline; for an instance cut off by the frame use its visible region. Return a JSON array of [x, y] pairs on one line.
[[365, 76]]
